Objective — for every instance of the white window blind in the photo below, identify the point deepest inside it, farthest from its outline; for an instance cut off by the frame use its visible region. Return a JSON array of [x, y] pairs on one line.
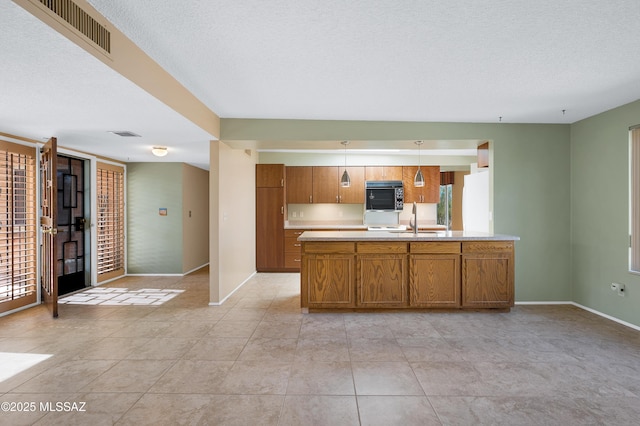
[[110, 221], [17, 226]]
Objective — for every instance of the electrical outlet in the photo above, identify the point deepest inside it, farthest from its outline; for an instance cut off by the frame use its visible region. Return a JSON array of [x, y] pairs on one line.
[[618, 288], [301, 214], [294, 214]]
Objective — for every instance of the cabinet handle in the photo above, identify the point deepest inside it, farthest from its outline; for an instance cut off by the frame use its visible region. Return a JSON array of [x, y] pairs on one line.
[[310, 199], [296, 260], [340, 199], [281, 182], [297, 245], [337, 200], [281, 209]]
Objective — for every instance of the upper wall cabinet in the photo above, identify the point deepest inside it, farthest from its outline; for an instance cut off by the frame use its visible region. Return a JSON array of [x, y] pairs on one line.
[[269, 175], [430, 192], [383, 173], [327, 189], [300, 185]]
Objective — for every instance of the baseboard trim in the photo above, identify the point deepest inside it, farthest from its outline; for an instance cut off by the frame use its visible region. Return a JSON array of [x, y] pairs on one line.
[[593, 311], [154, 275], [196, 268], [618, 320], [234, 290]]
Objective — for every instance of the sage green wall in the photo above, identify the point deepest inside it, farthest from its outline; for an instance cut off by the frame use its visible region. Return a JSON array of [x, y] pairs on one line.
[[600, 212], [531, 183], [154, 242]]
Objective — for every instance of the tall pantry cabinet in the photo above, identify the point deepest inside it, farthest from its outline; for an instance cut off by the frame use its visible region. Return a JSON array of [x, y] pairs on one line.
[[270, 217]]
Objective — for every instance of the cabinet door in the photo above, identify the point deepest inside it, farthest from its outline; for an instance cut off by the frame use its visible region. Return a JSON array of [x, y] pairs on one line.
[[429, 193], [434, 281], [487, 280], [269, 229], [383, 173], [382, 280], [325, 185], [355, 193], [269, 175], [299, 185], [327, 281]]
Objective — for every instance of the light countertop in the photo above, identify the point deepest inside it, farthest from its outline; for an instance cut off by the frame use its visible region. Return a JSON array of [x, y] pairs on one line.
[[403, 236]]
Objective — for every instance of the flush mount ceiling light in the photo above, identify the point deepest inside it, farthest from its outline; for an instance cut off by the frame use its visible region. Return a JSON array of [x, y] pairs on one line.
[[159, 151], [418, 180], [345, 180], [124, 133]]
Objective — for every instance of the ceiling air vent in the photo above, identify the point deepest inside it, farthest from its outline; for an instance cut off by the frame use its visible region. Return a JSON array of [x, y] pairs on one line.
[[125, 133], [81, 21]]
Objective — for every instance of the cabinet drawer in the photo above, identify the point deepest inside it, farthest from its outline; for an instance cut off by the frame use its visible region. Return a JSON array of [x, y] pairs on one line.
[[486, 246], [382, 247], [328, 247], [435, 247], [293, 233], [292, 245], [292, 260]]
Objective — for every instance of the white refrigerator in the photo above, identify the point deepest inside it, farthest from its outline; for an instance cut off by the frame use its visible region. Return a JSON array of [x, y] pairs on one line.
[[475, 202]]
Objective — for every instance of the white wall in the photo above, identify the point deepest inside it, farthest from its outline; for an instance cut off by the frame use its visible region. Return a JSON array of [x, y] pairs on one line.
[[232, 219]]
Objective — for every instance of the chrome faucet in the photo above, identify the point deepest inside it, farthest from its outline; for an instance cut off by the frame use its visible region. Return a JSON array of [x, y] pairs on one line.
[[414, 212]]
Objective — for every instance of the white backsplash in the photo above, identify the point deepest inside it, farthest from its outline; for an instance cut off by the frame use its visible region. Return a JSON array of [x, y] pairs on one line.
[[427, 213]]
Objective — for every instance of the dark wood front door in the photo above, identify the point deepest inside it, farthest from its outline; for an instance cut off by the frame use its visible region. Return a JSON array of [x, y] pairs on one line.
[[70, 239], [48, 197]]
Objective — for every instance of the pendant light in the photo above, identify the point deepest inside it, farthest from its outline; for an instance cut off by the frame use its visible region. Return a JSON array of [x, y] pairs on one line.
[[418, 180], [345, 180]]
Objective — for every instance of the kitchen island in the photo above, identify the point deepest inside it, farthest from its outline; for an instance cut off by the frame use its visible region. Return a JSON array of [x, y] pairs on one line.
[[355, 270]]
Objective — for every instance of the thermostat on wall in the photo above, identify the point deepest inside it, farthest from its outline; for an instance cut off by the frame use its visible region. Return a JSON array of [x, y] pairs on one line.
[[162, 211]]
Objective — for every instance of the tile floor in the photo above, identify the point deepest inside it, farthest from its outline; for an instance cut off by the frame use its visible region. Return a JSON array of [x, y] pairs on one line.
[[258, 360]]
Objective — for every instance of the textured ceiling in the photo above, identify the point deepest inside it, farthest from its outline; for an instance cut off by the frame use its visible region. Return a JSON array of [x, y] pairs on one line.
[[406, 60]]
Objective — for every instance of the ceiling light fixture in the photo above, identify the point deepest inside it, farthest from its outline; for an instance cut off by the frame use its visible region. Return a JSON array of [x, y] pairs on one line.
[[159, 151], [418, 180], [345, 180]]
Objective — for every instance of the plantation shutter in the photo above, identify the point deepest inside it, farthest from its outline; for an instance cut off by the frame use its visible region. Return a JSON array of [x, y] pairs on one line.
[[17, 226], [110, 221]]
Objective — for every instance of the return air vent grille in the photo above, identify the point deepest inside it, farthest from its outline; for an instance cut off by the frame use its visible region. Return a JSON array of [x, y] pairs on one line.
[[81, 21]]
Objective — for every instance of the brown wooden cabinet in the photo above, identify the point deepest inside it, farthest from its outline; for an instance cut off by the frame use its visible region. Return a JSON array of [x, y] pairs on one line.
[[487, 274], [434, 275], [429, 193], [383, 173], [292, 249], [382, 275], [353, 194], [270, 215], [467, 274], [299, 185], [327, 275], [327, 189], [270, 175]]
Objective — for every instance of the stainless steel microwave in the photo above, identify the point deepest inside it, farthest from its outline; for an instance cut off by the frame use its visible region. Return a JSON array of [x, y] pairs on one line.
[[384, 195]]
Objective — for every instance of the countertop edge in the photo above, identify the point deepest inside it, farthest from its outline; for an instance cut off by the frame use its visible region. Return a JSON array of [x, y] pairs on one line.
[[402, 236]]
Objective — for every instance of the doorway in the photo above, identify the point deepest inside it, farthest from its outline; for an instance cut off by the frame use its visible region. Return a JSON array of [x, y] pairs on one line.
[[72, 212]]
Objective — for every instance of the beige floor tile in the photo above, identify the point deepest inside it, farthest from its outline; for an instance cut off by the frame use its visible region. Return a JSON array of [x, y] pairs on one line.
[[396, 410], [265, 349], [169, 410], [130, 376], [113, 348], [193, 376], [257, 378], [322, 349], [321, 378], [227, 328], [318, 410], [375, 350], [67, 377], [217, 348], [163, 348], [385, 378]]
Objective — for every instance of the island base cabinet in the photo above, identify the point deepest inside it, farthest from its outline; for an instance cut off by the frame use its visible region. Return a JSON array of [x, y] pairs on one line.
[[327, 281], [381, 281], [487, 280], [434, 281]]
